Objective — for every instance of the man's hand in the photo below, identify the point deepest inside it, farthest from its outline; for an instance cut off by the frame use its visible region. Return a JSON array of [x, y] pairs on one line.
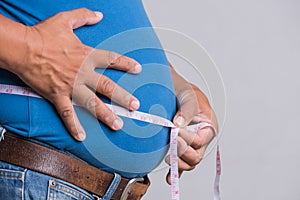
[[55, 63], [193, 108]]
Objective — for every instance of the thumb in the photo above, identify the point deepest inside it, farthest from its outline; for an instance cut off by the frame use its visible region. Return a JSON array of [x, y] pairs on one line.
[[188, 107], [82, 16], [185, 114], [168, 176]]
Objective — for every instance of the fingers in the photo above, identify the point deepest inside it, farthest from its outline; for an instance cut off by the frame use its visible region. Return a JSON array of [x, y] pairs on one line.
[[168, 177], [190, 155], [186, 162], [80, 17], [187, 136], [182, 165], [117, 94], [188, 108], [67, 113], [102, 84], [87, 99], [196, 140], [182, 146], [110, 89], [102, 59]]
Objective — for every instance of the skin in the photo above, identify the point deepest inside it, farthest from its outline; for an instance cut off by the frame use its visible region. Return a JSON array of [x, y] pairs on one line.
[[56, 66], [194, 108], [61, 68]]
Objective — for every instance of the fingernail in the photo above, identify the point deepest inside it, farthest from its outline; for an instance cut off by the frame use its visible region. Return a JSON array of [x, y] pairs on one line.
[[99, 14], [134, 105], [81, 136], [197, 119], [180, 121], [118, 124], [137, 68]]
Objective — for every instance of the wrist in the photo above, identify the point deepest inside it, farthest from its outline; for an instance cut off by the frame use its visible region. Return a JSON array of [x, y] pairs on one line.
[[13, 45], [30, 51]]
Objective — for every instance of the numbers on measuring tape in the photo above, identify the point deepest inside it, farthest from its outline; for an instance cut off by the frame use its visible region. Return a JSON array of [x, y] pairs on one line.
[[17, 90]]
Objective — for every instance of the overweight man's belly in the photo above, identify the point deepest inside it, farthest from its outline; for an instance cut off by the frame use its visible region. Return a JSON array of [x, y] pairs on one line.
[[139, 147]]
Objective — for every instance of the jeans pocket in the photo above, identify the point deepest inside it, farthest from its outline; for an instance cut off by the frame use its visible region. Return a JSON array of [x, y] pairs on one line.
[[11, 184], [61, 191]]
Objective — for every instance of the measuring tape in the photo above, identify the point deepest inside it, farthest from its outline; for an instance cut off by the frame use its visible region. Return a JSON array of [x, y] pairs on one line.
[[145, 117]]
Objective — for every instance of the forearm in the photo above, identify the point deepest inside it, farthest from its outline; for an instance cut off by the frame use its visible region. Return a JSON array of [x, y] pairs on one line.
[[193, 107], [182, 87], [179, 82], [51, 59], [12, 44]]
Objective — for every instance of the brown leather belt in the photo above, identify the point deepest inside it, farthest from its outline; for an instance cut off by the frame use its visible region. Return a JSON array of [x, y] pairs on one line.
[[38, 158]]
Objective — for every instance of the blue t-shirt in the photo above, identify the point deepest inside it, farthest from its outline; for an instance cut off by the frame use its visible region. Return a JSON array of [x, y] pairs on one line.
[[139, 147]]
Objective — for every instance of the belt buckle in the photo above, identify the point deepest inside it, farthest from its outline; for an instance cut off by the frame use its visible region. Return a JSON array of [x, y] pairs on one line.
[[127, 189]]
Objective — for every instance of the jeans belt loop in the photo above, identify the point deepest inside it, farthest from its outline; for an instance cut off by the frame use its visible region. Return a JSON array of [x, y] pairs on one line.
[[27, 154], [112, 188], [128, 187], [2, 131]]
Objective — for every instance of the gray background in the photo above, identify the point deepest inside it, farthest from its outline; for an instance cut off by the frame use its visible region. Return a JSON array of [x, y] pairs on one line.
[[256, 46]]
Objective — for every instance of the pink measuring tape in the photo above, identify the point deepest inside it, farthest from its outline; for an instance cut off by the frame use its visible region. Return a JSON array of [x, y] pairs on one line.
[[17, 90]]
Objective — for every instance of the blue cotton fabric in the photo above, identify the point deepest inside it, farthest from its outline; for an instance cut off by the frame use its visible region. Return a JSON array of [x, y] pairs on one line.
[[139, 147]]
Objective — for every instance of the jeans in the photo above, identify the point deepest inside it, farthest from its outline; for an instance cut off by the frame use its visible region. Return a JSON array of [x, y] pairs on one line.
[[19, 183]]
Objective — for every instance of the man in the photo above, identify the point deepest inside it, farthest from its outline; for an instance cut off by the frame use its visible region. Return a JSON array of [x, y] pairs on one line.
[[50, 65]]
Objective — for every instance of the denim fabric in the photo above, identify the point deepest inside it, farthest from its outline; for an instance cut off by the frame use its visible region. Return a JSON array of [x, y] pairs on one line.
[[19, 183]]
